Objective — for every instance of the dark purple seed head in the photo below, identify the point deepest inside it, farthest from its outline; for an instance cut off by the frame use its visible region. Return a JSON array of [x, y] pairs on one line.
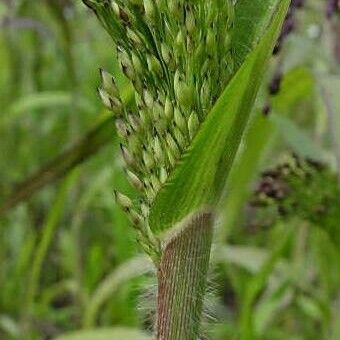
[[275, 85], [266, 109], [289, 24], [298, 3]]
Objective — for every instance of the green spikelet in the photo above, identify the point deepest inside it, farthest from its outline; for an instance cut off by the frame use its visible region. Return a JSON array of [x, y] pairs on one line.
[[175, 55]]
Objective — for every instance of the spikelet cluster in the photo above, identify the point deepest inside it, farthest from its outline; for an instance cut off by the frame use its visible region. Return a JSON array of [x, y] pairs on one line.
[[177, 54]]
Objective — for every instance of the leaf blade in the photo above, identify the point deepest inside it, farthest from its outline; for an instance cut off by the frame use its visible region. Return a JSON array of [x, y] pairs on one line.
[[252, 19]]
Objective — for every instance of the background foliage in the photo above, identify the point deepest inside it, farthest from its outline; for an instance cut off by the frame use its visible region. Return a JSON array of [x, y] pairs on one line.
[[68, 258]]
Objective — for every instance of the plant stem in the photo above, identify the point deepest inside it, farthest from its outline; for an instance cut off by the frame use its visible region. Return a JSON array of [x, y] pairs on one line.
[[182, 278]]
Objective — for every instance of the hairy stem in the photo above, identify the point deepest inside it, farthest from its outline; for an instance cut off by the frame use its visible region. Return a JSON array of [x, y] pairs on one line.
[[182, 278]]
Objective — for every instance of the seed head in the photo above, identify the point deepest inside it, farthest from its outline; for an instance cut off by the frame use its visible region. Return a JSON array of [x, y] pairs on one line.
[[134, 180], [177, 55], [193, 125], [123, 200], [109, 84]]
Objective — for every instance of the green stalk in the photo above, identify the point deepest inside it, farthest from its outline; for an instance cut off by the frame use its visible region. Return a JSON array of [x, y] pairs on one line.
[[182, 278]]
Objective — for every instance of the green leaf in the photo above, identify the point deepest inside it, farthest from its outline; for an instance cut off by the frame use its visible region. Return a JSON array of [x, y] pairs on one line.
[[249, 258], [298, 84], [48, 232], [9, 326], [270, 306], [258, 282], [214, 148], [252, 18], [114, 333], [310, 307], [297, 139], [336, 327], [43, 100], [328, 88]]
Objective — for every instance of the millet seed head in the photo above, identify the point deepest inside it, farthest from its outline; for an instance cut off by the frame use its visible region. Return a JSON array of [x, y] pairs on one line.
[[177, 55]]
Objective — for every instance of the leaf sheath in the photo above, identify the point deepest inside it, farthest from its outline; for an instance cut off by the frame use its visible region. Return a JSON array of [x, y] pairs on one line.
[[182, 278]]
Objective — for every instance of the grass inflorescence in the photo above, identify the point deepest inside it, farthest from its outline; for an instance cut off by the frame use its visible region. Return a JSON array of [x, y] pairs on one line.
[[177, 54], [301, 187]]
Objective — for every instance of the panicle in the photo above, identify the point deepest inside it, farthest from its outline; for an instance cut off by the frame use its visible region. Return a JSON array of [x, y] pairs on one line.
[[177, 55]]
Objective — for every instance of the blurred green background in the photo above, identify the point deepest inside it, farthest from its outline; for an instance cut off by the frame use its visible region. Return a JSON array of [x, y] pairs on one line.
[[68, 257]]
